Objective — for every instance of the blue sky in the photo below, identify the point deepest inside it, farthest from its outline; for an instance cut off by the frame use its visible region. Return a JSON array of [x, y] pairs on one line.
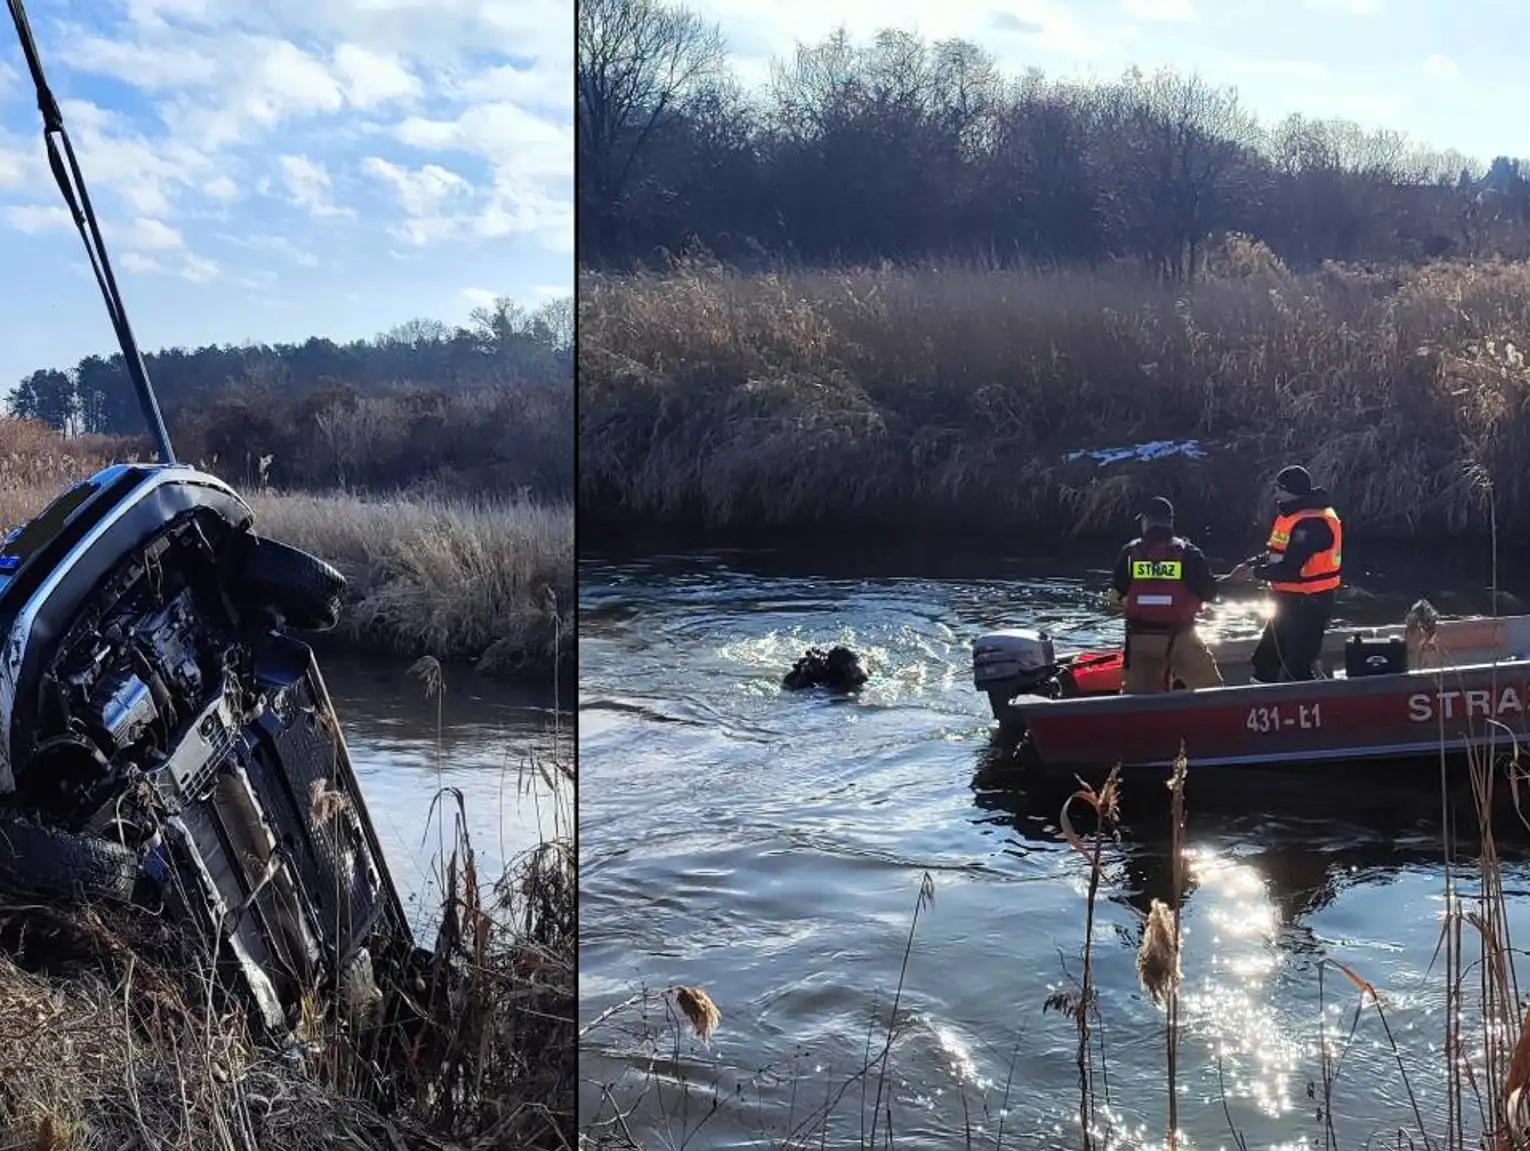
[[286, 168], [1450, 73]]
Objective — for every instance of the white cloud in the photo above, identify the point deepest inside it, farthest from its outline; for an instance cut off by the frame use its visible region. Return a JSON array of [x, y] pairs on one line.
[[138, 264], [229, 76], [480, 297], [501, 132], [199, 270], [1181, 11], [309, 185], [543, 85], [141, 65], [37, 217], [221, 188], [268, 82], [443, 127], [420, 192], [112, 153], [1438, 67], [531, 161], [153, 235], [371, 78], [431, 198], [261, 242], [155, 12], [13, 168]]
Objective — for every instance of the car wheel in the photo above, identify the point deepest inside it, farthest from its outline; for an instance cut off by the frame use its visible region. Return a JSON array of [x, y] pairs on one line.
[[44, 861], [301, 588]]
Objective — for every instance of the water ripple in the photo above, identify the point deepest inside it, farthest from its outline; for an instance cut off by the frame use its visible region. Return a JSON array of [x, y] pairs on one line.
[[770, 847]]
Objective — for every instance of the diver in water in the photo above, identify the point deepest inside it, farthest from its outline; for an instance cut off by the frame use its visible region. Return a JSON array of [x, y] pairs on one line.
[[838, 669]]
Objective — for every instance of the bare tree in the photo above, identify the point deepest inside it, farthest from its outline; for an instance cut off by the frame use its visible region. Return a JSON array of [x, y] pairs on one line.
[[1193, 136], [637, 61], [820, 91], [897, 147]]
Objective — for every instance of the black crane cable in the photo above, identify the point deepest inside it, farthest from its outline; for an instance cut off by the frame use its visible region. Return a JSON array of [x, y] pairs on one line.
[[70, 178]]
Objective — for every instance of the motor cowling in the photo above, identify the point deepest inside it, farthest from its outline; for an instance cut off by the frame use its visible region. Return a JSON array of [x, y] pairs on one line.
[[1011, 662]]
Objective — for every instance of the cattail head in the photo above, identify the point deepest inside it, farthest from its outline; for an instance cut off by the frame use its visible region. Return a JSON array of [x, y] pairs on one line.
[[427, 669], [1421, 624], [698, 1007], [1158, 957], [325, 802]]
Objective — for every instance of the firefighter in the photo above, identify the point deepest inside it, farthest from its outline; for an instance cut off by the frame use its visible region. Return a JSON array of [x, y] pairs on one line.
[[1303, 565], [1161, 581]]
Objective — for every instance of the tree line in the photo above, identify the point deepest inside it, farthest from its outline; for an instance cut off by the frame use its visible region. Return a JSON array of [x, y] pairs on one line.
[[901, 148], [483, 408], [504, 345]]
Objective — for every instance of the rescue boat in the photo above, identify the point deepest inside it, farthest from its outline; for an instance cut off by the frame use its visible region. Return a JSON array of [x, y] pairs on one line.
[[1404, 692]]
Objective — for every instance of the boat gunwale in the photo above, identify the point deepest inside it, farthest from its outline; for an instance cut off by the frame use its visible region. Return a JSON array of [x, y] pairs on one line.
[[1226, 694]]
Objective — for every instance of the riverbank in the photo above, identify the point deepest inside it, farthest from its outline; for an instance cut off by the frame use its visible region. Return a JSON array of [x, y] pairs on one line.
[[970, 399], [108, 1038], [491, 583]]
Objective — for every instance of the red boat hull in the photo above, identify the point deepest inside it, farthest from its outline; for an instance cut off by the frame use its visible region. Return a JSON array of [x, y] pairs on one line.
[[1383, 716]]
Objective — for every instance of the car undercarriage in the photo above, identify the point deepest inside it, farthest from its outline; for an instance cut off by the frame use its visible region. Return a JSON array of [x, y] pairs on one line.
[[165, 739]]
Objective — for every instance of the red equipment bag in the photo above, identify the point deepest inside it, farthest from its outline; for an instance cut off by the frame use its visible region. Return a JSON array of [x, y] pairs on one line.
[[1097, 673]]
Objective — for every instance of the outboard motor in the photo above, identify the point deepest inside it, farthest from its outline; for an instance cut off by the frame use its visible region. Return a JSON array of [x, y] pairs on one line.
[[1013, 661]]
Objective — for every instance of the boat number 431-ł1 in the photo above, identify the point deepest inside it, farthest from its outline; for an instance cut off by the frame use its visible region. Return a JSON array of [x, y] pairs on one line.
[[1302, 716]]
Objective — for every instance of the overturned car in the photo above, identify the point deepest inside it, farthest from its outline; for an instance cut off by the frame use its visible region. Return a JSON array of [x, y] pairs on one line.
[[166, 739]]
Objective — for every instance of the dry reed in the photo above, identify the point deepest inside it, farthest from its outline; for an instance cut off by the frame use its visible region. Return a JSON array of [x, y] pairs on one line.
[[949, 396], [1085, 1003], [491, 582], [697, 1006], [113, 1034]]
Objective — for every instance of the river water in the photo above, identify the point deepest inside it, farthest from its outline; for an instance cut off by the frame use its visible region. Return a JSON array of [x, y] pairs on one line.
[[770, 848], [484, 742]]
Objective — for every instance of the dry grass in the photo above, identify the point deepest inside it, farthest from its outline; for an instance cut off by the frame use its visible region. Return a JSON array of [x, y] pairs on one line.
[[33, 455], [948, 395], [112, 1034], [502, 439], [491, 582]]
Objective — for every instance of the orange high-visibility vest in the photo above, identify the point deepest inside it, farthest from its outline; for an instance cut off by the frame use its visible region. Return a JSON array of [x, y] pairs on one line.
[[1322, 571]]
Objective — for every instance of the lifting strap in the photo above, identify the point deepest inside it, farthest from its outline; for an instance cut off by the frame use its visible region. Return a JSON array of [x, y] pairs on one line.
[[60, 151]]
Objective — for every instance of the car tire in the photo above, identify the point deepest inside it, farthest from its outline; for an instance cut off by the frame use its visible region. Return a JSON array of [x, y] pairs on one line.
[[301, 588], [44, 861]]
